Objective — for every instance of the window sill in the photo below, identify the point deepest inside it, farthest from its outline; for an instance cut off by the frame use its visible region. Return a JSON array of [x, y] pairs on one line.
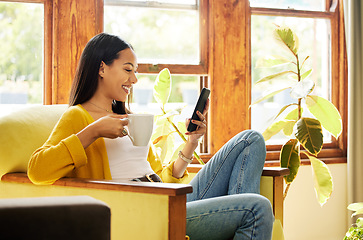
[[272, 158]]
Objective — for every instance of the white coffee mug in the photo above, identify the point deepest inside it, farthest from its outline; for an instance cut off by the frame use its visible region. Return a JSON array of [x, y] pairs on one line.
[[140, 128]]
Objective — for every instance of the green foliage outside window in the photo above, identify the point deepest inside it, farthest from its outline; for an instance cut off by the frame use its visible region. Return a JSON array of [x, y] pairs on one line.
[[21, 48]]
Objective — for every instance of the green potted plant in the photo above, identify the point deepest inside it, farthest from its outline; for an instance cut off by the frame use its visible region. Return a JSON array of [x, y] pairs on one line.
[[305, 133], [355, 232], [162, 137]]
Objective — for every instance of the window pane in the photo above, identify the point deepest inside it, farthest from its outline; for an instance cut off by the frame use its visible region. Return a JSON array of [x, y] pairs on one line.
[[157, 35], [312, 5], [21, 65], [184, 95], [314, 41]]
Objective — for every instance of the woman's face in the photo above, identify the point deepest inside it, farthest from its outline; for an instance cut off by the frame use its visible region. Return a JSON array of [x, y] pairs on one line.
[[116, 79]]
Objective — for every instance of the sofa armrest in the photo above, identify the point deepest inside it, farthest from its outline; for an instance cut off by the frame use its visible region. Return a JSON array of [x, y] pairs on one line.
[[272, 187], [275, 171], [169, 189], [157, 208]]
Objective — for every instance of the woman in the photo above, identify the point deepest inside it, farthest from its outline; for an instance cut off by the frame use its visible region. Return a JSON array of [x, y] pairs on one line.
[[89, 142]]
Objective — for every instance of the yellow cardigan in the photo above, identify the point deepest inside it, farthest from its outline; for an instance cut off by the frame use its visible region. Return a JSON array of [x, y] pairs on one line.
[[63, 155]]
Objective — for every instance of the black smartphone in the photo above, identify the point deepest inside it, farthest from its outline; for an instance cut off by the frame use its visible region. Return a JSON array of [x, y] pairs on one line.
[[203, 97]]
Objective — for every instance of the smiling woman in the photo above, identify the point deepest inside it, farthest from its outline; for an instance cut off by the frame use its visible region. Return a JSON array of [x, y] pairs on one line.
[[107, 67], [77, 148]]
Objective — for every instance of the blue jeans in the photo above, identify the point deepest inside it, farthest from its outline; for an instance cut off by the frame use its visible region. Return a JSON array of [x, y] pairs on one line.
[[225, 202]]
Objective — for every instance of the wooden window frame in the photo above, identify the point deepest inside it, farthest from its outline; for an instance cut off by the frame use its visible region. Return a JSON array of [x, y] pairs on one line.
[[224, 120], [225, 62]]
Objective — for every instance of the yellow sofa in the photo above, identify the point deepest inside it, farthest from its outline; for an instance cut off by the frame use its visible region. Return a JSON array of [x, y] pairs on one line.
[[139, 210]]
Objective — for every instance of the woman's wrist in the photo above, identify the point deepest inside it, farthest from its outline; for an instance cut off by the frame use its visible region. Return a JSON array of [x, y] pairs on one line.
[[184, 158], [88, 135], [192, 143], [189, 149], [92, 131], [180, 164]]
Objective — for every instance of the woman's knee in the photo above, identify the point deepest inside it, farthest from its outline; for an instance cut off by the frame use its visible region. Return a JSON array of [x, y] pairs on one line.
[[263, 216], [264, 204], [263, 209], [259, 145], [255, 141], [250, 136], [258, 206], [253, 136]]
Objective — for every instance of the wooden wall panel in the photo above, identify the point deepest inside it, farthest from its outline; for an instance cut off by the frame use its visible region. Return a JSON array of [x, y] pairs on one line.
[[229, 70], [74, 23]]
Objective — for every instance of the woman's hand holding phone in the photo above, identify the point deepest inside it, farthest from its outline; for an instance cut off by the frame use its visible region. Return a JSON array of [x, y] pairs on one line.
[[201, 124], [197, 127]]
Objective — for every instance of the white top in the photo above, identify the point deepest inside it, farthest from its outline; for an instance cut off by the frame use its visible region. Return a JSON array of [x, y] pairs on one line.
[[126, 160]]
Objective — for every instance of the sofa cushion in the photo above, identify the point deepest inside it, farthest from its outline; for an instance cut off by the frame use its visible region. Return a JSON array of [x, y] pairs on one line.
[[22, 132], [56, 218]]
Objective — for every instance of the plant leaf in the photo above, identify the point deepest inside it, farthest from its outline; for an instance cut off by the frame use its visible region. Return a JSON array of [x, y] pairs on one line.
[[274, 128], [158, 139], [272, 61], [162, 127], [288, 38], [305, 74], [169, 114], [294, 114], [162, 138], [286, 124], [357, 207], [359, 222], [310, 135], [161, 144], [326, 113], [268, 95], [276, 75], [162, 86], [302, 89], [290, 158], [284, 108], [323, 181], [182, 128], [289, 128], [302, 65]]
